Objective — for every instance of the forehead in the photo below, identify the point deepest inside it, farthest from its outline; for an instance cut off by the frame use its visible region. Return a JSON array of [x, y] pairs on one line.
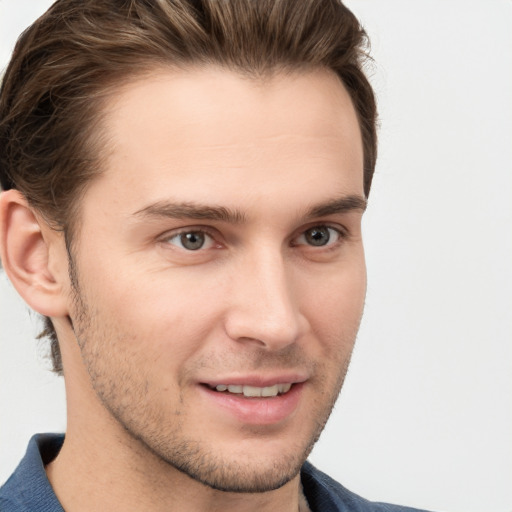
[[223, 106], [218, 130]]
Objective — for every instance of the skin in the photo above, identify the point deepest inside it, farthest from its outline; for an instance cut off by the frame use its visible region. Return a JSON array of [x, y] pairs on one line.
[[263, 163]]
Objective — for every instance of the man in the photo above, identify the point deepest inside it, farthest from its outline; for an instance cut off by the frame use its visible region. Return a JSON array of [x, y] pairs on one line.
[[184, 184]]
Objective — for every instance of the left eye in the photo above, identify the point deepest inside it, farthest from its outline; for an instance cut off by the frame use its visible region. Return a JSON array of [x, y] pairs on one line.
[[191, 240], [319, 236]]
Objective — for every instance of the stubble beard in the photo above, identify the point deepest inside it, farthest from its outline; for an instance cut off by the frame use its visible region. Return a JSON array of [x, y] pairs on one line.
[[167, 442]]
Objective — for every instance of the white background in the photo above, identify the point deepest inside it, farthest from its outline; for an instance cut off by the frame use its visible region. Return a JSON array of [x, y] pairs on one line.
[[425, 418]]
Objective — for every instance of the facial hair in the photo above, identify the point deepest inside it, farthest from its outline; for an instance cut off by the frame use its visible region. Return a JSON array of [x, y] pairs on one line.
[[127, 391]]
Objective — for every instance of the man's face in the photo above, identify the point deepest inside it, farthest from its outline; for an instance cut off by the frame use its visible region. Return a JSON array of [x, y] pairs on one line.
[[220, 269]]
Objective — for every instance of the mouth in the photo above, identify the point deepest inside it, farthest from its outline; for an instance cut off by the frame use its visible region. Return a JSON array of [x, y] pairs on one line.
[[269, 403], [255, 399], [252, 391]]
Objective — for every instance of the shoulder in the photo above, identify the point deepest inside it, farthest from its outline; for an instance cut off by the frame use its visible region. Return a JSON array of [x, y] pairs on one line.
[[6, 505], [326, 495], [28, 488]]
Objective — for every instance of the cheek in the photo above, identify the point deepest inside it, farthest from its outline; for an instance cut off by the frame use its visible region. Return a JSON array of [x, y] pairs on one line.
[[334, 305], [126, 288], [166, 315]]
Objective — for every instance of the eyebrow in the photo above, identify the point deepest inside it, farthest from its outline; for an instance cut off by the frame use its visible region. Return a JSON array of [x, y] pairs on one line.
[[189, 210], [197, 211], [340, 205]]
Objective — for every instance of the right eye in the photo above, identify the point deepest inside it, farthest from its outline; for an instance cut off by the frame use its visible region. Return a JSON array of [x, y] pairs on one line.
[[192, 240]]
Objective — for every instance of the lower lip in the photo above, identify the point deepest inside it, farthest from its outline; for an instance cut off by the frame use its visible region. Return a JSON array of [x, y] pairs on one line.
[[256, 410]]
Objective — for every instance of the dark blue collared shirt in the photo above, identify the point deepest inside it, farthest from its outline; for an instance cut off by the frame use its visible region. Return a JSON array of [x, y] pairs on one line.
[[28, 489]]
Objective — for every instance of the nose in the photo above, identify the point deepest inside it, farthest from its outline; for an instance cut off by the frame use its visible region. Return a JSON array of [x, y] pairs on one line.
[[263, 308]]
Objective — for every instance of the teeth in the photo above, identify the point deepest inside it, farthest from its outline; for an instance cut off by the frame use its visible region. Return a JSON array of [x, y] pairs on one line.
[[283, 388], [253, 391], [268, 391]]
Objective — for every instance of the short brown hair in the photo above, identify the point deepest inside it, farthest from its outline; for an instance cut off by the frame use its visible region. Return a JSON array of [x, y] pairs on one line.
[[64, 64]]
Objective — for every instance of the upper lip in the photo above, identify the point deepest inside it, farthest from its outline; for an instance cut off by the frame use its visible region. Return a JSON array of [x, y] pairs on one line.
[[259, 381]]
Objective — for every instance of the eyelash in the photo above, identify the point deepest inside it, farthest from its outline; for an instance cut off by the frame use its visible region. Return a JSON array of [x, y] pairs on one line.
[[340, 233], [199, 229]]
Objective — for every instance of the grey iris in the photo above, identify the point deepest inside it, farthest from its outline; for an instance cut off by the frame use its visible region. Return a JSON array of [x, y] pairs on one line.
[[317, 236], [193, 240]]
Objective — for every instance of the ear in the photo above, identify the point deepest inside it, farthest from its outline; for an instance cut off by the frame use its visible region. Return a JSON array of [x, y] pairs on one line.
[[26, 243]]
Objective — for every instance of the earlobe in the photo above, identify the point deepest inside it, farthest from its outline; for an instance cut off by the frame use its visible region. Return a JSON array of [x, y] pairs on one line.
[[25, 251]]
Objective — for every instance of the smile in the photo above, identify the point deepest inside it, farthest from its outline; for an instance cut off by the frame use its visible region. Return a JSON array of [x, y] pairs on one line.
[[253, 391], [270, 403]]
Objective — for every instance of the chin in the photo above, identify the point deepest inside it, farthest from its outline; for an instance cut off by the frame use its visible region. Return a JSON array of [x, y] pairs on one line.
[[240, 477], [248, 465]]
